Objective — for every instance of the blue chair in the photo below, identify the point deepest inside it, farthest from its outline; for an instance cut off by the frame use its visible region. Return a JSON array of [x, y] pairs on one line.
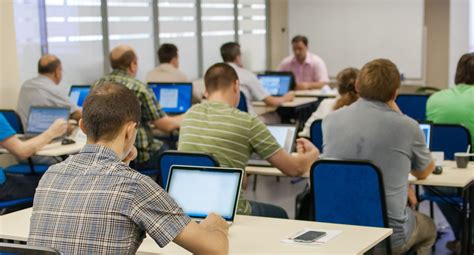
[[413, 105], [21, 249], [243, 103], [169, 158], [349, 192], [11, 203], [316, 134], [15, 122], [449, 138]]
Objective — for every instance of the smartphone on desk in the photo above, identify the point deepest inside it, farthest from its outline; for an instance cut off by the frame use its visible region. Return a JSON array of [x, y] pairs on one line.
[[309, 236]]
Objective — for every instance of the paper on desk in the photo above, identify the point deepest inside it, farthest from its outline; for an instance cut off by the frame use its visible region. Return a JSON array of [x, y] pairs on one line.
[[330, 234]]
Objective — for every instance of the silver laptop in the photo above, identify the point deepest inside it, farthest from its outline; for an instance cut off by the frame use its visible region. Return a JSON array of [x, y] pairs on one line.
[[41, 118], [285, 136], [202, 190]]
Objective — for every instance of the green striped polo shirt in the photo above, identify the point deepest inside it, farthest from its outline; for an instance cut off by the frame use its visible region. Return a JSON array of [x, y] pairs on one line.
[[228, 134]]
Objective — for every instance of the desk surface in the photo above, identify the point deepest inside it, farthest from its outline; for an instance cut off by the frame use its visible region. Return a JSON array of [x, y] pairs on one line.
[[314, 93], [248, 235], [295, 103]]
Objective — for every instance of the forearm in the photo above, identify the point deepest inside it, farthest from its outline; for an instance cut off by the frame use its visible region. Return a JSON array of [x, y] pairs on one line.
[[274, 101], [24, 150], [169, 123], [217, 244]]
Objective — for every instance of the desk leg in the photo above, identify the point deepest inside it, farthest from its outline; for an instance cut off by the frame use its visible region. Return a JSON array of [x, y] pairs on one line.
[[467, 229]]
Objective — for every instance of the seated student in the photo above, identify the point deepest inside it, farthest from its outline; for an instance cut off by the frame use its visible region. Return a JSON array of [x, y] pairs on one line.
[[99, 205], [217, 127], [124, 62], [346, 80], [168, 70], [373, 128], [44, 90], [455, 106], [309, 69], [15, 186], [249, 83]]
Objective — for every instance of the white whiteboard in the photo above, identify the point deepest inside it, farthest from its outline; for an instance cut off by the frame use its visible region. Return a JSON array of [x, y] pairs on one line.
[[352, 32]]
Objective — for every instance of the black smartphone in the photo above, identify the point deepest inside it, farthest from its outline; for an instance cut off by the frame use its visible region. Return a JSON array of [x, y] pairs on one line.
[[309, 236]]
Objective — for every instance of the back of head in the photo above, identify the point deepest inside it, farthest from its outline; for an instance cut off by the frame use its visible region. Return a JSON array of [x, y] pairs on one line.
[[219, 77], [107, 109], [230, 51], [346, 83], [122, 57], [378, 80], [167, 52], [465, 70], [48, 64], [300, 38]]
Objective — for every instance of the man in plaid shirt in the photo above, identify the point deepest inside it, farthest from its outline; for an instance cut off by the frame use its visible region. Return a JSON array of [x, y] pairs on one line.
[[124, 62], [94, 203]]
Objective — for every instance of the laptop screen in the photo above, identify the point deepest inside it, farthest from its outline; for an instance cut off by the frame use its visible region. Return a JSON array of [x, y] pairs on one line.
[[426, 128], [285, 136], [41, 118], [174, 98], [276, 85], [78, 94], [200, 191]]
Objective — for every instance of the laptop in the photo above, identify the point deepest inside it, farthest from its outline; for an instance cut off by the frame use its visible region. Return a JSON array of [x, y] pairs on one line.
[[78, 94], [276, 84], [174, 98], [202, 190], [41, 118], [285, 136], [426, 128]]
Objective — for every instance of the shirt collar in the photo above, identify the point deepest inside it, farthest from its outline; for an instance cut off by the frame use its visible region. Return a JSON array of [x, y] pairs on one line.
[[167, 67], [100, 150], [119, 72], [374, 103], [45, 79]]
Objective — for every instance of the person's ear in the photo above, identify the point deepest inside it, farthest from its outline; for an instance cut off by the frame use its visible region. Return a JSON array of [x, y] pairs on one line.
[[237, 87], [82, 126]]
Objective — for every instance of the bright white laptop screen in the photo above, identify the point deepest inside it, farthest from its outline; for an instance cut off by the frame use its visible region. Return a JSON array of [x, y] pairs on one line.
[[284, 136], [426, 128], [276, 85], [200, 191], [41, 118]]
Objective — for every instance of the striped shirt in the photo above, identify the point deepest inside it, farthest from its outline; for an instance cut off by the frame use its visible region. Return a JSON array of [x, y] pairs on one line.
[[150, 108], [228, 134], [92, 203]]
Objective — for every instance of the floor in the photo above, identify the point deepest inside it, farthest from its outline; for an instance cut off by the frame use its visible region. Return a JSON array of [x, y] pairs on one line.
[[283, 192]]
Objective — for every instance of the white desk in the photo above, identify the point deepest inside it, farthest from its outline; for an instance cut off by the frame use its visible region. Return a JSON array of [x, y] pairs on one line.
[[56, 149], [315, 93], [260, 107], [248, 235]]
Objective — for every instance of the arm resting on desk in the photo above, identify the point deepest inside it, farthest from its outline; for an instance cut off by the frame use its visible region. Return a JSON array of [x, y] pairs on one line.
[[168, 123], [420, 175], [277, 101]]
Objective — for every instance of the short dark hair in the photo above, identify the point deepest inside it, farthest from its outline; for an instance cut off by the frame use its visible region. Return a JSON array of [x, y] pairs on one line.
[[219, 76], [465, 70], [230, 51], [167, 52], [107, 108], [300, 38], [124, 61], [378, 80], [50, 67]]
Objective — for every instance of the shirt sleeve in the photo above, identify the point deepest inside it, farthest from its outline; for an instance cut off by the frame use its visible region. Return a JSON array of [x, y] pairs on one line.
[[284, 65], [154, 211], [320, 71], [151, 109], [261, 140], [62, 100], [6, 130], [421, 156], [256, 89]]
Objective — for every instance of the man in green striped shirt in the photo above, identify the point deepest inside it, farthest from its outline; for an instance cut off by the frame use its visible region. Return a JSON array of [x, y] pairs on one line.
[[218, 128]]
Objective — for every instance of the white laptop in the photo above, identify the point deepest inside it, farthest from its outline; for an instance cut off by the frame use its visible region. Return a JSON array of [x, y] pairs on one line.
[[200, 191], [285, 136]]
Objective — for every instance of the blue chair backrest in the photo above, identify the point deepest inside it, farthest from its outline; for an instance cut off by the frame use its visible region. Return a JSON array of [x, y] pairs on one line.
[[242, 103], [169, 158], [348, 192], [449, 138], [413, 105], [13, 119], [316, 134]]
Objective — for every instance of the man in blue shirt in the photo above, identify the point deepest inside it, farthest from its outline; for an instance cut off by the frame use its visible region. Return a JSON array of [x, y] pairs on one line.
[[14, 186]]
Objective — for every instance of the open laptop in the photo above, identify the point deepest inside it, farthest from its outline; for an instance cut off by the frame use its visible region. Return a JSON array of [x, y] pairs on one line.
[[426, 128], [285, 136], [174, 98], [277, 84], [78, 94], [41, 118], [202, 190]]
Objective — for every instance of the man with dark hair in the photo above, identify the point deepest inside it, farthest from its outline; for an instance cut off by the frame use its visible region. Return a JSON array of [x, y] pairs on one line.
[[100, 205], [455, 106], [125, 67], [373, 128], [249, 83], [309, 69], [43, 90], [217, 127]]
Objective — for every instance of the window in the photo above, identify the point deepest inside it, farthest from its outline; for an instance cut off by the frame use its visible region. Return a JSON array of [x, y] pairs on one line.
[[252, 33]]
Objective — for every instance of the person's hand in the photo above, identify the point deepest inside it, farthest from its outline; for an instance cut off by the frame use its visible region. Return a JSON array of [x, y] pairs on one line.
[[58, 128], [131, 156], [304, 86], [412, 200], [288, 97], [306, 147], [214, 222]]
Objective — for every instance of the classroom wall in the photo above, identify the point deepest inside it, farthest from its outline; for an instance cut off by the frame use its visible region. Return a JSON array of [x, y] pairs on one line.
[[9, 78], [458, 34], [279, 42]]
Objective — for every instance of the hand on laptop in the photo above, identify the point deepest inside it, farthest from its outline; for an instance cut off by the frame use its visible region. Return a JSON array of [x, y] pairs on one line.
[[214, 222], [131, 155], [58, 128]]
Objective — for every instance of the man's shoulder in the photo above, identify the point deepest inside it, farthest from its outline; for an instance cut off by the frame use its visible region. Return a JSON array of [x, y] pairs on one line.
[[131, 83]]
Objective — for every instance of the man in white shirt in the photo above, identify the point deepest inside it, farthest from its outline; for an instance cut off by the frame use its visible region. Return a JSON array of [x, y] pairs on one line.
[[249, 83]]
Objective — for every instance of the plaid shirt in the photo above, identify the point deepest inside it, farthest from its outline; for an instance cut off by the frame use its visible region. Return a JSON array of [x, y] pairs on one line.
[[151, 110], [92, 203]]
